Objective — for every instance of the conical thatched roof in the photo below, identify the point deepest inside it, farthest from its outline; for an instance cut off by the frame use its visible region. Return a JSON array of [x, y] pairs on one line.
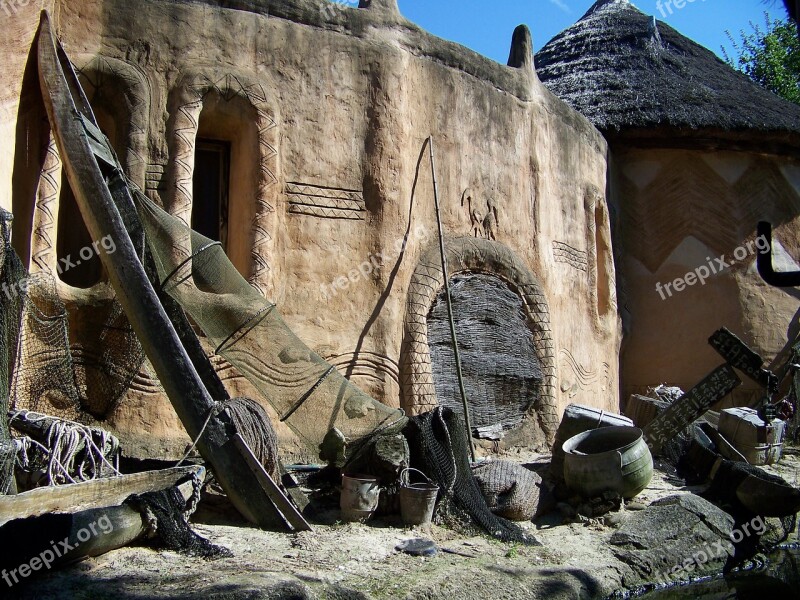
[[625, 71]]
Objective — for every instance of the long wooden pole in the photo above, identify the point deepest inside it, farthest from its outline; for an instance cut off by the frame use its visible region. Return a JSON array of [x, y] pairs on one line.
[[65, 103], [456, 352]]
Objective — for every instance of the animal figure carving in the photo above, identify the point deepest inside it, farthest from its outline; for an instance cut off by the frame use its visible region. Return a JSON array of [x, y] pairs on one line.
[[482, 226]]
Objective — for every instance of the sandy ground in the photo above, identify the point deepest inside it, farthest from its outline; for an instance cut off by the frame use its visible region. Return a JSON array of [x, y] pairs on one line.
[[360, 561]]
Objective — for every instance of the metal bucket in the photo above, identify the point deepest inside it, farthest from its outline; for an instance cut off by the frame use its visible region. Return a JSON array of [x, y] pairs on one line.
[[417, 500], [614, 459], [359, 497]]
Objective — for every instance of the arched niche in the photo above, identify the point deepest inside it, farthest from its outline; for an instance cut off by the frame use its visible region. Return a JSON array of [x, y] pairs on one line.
[[229, 108], [470, 255]]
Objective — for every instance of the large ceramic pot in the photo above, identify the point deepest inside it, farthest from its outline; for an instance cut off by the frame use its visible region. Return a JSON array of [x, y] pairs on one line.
[[614, 459], [577, 419]]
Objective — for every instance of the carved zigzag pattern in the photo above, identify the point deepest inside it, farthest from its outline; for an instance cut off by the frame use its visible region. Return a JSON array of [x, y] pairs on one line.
[[228, 87], [687, 199], [185, 133], [103, 72], [43, 256]]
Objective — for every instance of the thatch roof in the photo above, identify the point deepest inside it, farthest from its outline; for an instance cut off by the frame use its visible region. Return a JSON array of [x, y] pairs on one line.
[[626, 71]]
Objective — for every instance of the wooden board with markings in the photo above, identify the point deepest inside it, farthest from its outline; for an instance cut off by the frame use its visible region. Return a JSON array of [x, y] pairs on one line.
[[691, 406]]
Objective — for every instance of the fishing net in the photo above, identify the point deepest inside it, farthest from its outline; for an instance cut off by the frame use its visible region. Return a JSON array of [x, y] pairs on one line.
[[43, 378], [166, 514], [106, 356], [11, 273], [308, 393], [83, 381], [438, 443]]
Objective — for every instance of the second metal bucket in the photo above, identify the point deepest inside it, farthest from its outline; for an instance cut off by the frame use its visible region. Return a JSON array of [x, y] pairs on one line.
[[417, 500], [359, 497]]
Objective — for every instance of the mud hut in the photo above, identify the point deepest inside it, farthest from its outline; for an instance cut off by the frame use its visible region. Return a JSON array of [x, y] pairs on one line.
[[292, 132], [699, 154]]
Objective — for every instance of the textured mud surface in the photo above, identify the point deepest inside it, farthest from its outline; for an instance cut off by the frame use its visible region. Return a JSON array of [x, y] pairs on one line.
[[584, 559]]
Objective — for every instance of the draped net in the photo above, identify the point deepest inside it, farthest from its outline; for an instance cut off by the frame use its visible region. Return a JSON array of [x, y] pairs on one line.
[[307, 392]]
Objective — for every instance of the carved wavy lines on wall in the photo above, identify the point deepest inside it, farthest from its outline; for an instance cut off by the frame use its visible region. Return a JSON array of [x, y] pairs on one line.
[[367, 364], [585, 376], [564, 253], [327, 203], [225, 370]]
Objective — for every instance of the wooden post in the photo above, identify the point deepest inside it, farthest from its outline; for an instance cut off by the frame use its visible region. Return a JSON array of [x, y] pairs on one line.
[[456, 352]]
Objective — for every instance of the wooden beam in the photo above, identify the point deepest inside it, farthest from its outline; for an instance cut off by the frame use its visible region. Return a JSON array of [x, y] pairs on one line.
[[65, 101], [93, 494], [282, 503]]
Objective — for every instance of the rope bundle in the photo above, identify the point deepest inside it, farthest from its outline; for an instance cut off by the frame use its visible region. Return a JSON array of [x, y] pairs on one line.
[[70, 451], [253, 424]]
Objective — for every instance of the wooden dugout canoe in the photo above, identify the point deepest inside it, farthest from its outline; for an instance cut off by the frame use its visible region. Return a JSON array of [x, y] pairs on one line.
[[92, 170], [84, 519]]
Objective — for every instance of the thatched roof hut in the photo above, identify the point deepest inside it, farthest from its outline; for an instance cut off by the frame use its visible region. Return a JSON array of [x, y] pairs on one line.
[[629, 73]]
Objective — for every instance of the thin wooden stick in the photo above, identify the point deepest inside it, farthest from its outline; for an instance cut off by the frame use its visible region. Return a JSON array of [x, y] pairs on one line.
[[450, 307]]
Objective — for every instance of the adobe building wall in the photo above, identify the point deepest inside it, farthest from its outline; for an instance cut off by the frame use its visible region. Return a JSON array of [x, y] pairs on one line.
[[326, 110], [687, 224]]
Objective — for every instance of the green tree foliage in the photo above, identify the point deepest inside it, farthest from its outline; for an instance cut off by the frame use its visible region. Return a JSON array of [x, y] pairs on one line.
[[770, 57]]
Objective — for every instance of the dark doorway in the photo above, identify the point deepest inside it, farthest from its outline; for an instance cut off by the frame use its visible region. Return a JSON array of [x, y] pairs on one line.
[[78, 262], [502, 373], [210, 189]]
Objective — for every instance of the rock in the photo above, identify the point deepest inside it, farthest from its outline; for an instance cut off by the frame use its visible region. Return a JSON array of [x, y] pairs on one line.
[[418, 547], [674, 539], [715, 518], [615, 519]]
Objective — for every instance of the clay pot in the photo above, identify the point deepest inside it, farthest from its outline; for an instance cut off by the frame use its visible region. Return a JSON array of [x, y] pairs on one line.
[[610, 459]]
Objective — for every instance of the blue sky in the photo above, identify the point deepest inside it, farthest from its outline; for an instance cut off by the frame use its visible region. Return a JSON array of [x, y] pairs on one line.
[[486, 26]]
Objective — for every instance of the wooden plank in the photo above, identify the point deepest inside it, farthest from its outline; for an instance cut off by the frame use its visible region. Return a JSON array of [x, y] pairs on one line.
[[86, 533], [88, 495], [64, 99], [691, 406], [282, 503], [741, 356]]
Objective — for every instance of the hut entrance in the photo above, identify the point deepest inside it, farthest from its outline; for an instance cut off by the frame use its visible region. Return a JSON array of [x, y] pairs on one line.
[[502, 373], [210, 189]]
